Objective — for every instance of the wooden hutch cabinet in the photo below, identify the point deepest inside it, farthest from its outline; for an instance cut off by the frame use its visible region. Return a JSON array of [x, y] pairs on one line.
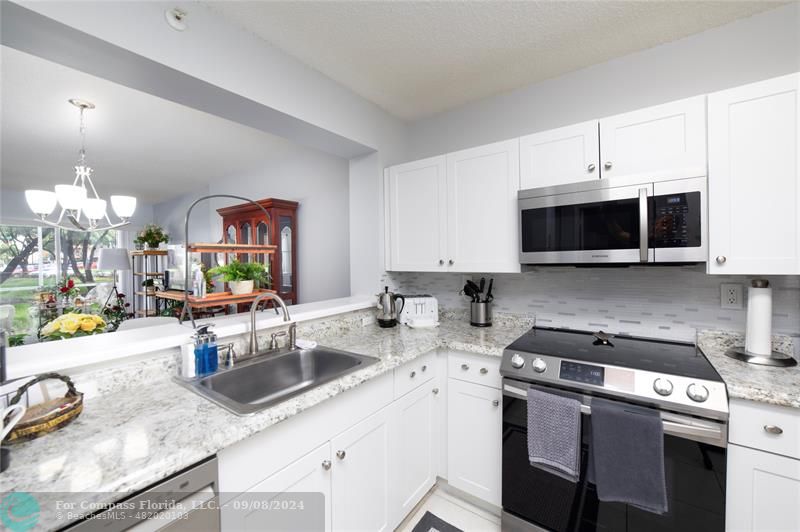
[[246, 224]]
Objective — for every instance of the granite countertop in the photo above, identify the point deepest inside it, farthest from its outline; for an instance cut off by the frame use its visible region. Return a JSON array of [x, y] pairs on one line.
[[765, 384], [126, 440]]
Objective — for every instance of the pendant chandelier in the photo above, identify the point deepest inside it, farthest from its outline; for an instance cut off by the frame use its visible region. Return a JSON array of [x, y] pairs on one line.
[[80, 199]]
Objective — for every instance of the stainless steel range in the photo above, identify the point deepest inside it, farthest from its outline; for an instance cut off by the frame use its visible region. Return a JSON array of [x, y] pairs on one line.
[[671, 377]]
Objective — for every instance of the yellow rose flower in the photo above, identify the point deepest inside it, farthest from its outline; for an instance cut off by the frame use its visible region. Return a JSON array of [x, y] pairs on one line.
[[88, 325], [50, 327], [98, 320], [69, 324]]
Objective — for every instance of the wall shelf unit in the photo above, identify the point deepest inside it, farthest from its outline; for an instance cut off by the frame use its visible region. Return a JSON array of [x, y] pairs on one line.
[[148, 264]]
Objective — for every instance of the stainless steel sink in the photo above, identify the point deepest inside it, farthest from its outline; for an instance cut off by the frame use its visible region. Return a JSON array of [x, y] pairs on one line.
[[272, 377]]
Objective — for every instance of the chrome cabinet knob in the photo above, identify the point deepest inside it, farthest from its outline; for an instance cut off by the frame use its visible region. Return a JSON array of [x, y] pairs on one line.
[[697, 392], [340, 454], [326, 464], [721, 259], [773, 429], [539, 365], [495, 403], [607, 165], [465, 367], [424, 368], [484, 371], [435, 391], [591, 168], [441, 262], [413, 374], [451, 262], [517, 361], [662, 387]]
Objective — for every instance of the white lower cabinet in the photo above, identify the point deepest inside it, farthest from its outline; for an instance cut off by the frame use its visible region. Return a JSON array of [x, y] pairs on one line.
[[361, 478], [298, 483], [763, 491], [368, 471], [414, 450], [474, 439]]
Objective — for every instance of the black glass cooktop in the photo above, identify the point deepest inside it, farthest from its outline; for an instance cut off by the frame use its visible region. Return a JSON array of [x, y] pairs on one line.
[[673, 358]]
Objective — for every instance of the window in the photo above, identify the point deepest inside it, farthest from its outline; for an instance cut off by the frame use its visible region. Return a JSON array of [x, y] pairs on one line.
[[33, 259]]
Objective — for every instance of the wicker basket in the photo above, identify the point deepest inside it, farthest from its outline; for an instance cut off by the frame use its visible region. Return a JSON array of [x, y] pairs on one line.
[[49, 416]]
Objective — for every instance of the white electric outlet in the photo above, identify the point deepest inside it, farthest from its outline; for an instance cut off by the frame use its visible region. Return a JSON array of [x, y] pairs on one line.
[[730, 296]]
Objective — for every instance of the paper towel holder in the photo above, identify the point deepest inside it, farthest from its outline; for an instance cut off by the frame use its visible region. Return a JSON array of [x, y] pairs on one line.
[[773, 359]]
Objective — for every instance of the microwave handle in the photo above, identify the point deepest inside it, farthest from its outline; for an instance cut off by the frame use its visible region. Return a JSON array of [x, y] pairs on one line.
[[643, 229]]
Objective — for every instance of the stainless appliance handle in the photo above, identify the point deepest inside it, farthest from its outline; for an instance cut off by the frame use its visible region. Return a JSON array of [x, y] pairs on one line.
[[643, 229], [686, 427]]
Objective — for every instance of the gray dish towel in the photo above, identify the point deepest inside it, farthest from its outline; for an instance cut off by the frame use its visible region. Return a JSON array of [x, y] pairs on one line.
[[627, 456], [554, 434]]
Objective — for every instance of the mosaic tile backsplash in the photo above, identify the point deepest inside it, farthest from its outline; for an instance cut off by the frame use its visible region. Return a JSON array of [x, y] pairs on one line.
[[668, 302]]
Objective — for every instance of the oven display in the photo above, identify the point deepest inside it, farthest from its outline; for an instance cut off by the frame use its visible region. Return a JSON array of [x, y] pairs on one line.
[[573, 371]]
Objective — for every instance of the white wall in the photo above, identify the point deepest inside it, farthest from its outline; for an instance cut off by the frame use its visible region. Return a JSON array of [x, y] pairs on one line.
[[650, 301], [763, 46], [233, 59], [318, 181]]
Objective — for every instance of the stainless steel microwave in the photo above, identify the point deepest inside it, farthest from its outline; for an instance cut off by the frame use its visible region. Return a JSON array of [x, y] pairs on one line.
[[614, 221]]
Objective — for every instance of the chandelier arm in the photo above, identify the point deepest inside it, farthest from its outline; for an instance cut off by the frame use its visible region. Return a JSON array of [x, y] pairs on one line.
[[76, 223]]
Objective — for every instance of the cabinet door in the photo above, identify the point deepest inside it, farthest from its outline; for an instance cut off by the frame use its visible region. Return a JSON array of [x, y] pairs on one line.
[[474, 439], [413, 449], [297, 483], [560, 156], [763, 491], [361, 476], [482, 232], [658, 142], [416, 204], [753, 187]]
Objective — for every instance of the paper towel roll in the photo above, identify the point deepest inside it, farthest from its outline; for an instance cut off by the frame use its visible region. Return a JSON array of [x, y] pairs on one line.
[[758, 338]]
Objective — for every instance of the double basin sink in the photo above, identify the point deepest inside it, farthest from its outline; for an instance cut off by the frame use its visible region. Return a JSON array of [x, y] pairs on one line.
[[271, 377]]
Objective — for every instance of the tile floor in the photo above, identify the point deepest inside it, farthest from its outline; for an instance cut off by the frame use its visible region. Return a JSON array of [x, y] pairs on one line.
[[455, 511]]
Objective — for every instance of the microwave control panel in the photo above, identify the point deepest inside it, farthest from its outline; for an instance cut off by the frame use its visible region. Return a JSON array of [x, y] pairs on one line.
[[675, 220]]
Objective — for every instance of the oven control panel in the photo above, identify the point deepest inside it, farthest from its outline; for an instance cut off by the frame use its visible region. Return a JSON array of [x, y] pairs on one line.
[[578, 372], [671, 391]]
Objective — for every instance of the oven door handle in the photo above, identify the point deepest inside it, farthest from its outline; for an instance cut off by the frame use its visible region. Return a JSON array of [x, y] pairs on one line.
[[644, 244], [674, 425]]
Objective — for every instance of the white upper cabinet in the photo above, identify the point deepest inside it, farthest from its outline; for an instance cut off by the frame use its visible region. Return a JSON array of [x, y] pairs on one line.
[[560, 156], [482, 185], [664, 141], [455, 213], [754, 191], [415, 201]]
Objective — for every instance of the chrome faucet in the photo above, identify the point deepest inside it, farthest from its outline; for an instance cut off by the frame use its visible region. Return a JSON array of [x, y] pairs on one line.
[[254, 307]]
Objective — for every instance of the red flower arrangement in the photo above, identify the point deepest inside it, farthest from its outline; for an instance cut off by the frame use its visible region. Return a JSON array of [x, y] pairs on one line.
[[67, 288]]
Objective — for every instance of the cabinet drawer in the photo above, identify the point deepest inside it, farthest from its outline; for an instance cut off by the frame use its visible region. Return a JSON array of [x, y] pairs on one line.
[[775, 429], [409, 376], [475, 368]]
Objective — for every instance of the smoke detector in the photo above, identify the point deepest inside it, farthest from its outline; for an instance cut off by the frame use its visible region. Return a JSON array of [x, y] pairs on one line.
[[176, 18]]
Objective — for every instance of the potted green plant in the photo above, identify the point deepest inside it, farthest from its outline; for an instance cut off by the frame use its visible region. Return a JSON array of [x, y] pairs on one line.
[[240, 276], [152, 235]]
